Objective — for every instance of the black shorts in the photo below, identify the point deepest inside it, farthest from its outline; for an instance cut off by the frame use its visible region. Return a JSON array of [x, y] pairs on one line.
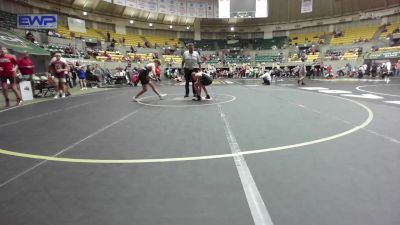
[[188, 73], [4, 79], [144, 77], [206, 80]]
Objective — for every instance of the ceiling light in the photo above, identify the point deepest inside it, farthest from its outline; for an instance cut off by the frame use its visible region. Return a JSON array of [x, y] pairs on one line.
[[150, 24], [232, 28], [131, 21], [187, 28], [85, 13], [170, 27]]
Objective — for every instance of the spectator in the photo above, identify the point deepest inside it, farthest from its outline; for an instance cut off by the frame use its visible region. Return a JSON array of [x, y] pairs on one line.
[[329, 70], [8, 68], [397, 68], [91, 77], [82, 77], [60, 68], [27, 69], [29, 36], [68, 50], [108, 37], [73, 72], [112, 45]]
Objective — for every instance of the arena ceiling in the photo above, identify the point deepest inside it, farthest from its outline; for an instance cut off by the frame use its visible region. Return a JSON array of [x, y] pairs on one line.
[[280, 11]]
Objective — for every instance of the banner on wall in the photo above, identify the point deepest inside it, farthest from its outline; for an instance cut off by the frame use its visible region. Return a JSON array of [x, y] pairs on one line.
[[131, 3], [191, 8], [210, 9], [163, 6], [141, 4], [216, 11], [120, 2], [171, 7], [225, 8], [181, 7], [37, 21], [200, 9], [76, 25], [261, 8], [152, 5], [382, 55], [306, 6]]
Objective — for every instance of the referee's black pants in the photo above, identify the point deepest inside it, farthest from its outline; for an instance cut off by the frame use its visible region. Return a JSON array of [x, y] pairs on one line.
[[188, 78]]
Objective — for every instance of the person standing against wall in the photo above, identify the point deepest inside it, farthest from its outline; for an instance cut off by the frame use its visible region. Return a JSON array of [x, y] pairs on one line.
[[190, 63]]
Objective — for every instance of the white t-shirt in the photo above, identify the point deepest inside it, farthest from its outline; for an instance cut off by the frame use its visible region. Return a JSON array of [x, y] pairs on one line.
[[54, 59], [62, 60], [388, 65], [267, 75], [191, 60]]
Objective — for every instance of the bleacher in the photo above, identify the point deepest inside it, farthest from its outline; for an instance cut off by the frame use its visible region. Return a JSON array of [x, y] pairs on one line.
[[8, 20], [230, 60], [267, 44], [175, 59], [90, 33], [113, 56], [310, 57], [141, 57], [221, 44], [212, 45], [240, 44], [205, 45], [59, 49], [350, 56], [130, 39], [343, 54], [162, 41], [354, 35], [389, 30], [389, 49], [268, 58], [307, 38]]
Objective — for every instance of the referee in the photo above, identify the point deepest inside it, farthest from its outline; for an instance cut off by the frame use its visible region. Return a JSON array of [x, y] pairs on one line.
[[190, 63]]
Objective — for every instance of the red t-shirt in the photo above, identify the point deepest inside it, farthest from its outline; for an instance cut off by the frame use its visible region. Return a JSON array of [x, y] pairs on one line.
[[158, 71], [59, 65], [7, 62], [26, 66]]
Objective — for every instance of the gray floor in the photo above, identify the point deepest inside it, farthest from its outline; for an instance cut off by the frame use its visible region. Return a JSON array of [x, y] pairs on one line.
[[353, 179]]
